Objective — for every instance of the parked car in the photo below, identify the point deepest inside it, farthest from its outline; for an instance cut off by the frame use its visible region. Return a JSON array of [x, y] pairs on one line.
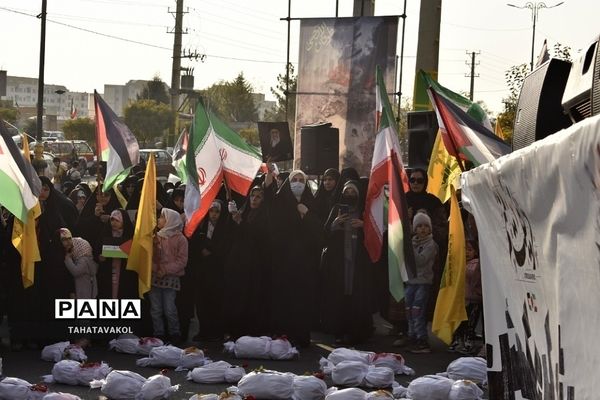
[[164, 161], [67, 150]]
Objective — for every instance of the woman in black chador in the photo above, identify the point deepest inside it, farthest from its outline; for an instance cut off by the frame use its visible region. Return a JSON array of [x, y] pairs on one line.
[[246, 303], [325, 196], [347, 270], [208, 247], [296, 234]]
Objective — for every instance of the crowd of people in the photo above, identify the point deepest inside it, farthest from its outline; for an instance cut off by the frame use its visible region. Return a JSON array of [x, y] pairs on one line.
[[284, 260]]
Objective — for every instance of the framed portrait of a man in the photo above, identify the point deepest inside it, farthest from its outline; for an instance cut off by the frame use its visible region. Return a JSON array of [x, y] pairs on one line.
[[275, 141]]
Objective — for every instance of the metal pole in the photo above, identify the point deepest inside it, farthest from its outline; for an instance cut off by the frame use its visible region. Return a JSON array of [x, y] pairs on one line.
[[403, 16], [176, 68], [472, 76], [337, 6], [40, 99], [534, 10], [287, 63]]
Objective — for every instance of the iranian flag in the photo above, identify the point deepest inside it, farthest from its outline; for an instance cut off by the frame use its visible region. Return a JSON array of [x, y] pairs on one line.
[[179, 155], [387, 169], [215, 154], [18, 180], [116, 144]]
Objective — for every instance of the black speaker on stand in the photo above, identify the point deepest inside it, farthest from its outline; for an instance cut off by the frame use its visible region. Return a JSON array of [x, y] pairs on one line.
[[422, 127], [319, 148], [539, 111]]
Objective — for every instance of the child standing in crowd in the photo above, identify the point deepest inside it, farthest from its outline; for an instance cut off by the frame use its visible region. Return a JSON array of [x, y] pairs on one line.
[[80, 263], [418, 287], [169, 261], [465, 334]]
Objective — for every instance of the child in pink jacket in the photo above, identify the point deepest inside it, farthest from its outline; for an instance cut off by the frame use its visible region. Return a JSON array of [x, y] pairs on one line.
[[168, 264]]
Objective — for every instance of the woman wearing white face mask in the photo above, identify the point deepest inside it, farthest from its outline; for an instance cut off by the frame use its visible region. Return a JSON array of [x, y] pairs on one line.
[[295, 232]]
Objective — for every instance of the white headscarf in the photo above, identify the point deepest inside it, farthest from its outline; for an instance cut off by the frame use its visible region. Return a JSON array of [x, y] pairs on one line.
[[173, 223]]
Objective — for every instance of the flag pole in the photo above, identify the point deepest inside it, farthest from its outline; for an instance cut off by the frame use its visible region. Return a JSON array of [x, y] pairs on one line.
[[98, 153]]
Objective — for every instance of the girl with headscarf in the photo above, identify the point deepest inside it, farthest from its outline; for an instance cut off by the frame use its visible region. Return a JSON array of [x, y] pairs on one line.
[[79, 198], [80, 263], [246, 308], [295, 232], [114, 280], [94, 218], [168, 264], [209, 248], [347, 270], [325, 196]]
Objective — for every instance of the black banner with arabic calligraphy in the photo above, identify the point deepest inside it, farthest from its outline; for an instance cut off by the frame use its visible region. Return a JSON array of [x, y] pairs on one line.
[[336, 80]]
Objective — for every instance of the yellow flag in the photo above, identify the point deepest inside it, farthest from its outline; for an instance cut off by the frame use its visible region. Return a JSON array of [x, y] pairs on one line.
[[450, 305], [498, 130], [443, 171], [122, 200], [140, 256], [24, 236]]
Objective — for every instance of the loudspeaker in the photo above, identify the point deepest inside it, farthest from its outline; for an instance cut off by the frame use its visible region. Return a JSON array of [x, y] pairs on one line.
[[319, 148], [581, 98], [539, 110], [422, 126]]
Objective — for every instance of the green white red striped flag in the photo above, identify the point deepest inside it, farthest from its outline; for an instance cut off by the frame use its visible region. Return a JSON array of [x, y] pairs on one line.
[[116, 144], [18, 180], [215, 154], [387, 169]]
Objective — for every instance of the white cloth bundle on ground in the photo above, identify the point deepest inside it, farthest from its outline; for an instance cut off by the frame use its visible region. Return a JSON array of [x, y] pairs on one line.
[[63, 351], [157, 387], [349, 373], [346, 394], [465, 390], [267, 385], [131, 344], [230, 393], [171, 356], [470, 368], [398, 390], [379, 377], [71, 372], [262, 348], [430, 387], [343, 354], [120, 384], [20, 389], [60, 396], [393, 361], [216, 372], [390, 360], [379, 395], [309, 388]]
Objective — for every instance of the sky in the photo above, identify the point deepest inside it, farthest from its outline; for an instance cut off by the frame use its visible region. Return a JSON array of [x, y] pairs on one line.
[[85, 47]]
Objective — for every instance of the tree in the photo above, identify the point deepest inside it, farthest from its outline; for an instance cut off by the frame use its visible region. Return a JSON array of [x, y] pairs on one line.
[[155, 90], [148, 120], [31, 126], [279, 92], [232, 101], [80, 128], [250, 135], [9, 114]]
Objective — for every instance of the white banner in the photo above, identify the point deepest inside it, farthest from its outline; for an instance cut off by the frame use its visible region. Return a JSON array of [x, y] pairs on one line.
[[537, 213]]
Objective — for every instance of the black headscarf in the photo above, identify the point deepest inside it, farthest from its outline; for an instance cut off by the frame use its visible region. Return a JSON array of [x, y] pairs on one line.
[[59, 211], [423, 199], [347, 174], [324, 199]]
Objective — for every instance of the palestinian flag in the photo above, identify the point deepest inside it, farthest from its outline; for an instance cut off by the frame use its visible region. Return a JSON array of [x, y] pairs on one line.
[[464, 137], [18, 180], [215, 154], [387, 169], [116, 144], [179, 153]]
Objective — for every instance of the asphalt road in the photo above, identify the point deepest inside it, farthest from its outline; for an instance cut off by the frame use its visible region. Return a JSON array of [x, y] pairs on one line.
[[26, 364]]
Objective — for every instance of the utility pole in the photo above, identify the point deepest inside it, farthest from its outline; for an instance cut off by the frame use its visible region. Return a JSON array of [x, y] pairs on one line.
[[40, 98], [176, 70], [364, 8], [428, 50], [472, 75]]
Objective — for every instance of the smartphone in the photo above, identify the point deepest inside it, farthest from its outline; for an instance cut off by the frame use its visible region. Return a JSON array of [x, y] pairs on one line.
[[344, 209]]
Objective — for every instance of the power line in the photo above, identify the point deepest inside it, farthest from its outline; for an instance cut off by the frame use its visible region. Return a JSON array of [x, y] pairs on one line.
[[146, 44], [476, 28]]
